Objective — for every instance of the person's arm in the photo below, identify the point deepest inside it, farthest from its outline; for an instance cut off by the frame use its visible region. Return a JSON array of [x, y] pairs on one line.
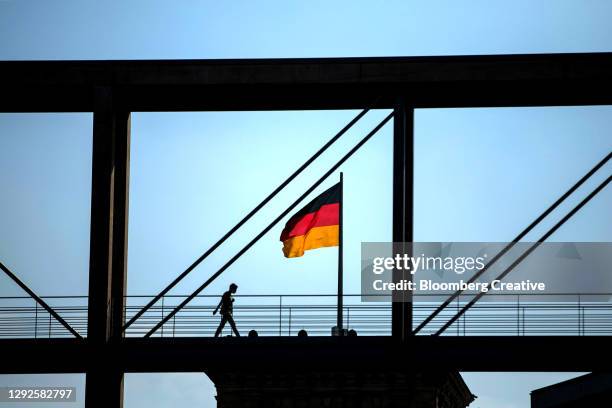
[[218, 306]]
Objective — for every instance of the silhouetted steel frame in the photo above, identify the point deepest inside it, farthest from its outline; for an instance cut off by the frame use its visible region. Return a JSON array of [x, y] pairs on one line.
[[113, 89], [108, 243], [403, 209]]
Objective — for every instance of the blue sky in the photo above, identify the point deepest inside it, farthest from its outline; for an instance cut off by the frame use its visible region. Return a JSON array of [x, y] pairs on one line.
[[87, 29], [481, 174]]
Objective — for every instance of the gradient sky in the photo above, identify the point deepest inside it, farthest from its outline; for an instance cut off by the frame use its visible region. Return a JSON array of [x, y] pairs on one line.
[[481, 174]]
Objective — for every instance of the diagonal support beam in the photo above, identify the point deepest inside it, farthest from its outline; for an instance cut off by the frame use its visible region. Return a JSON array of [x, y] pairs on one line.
[[526, 253], [39, 301]]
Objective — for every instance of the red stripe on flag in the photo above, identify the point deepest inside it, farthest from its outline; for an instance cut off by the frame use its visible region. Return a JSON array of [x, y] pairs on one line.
[[328, 214]]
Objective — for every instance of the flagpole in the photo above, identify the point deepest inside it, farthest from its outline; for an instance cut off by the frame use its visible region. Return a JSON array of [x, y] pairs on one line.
[[340, 289]]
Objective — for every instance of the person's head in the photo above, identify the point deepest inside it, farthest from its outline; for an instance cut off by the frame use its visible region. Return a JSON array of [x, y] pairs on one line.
[[253, 333], [233, 288]]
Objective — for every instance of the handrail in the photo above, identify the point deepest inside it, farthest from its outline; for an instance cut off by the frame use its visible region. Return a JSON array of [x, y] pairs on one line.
[[514, 315], [275, 295]]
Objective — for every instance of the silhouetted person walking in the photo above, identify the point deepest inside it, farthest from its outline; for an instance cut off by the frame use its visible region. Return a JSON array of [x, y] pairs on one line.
[[227, 306]]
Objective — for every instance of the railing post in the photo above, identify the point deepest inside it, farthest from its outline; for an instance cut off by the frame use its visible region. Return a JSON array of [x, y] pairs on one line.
[[518, 315], [458, 308], [162, 315], [348, 317], [579, 318], [464, 322], [583, 309], [49, 325], [280, 314], [289, 332], [36, 320], [125, 310]]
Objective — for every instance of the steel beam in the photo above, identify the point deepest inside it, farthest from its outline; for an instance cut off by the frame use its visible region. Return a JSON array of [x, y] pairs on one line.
[[403, 198], [467, 353], [108, 246], [311, 83]]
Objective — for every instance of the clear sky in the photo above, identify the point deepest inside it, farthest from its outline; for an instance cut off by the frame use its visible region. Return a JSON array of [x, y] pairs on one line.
[[481, 174]]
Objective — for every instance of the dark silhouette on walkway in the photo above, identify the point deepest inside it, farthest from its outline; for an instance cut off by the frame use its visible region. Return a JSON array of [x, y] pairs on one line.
[[227, 307]]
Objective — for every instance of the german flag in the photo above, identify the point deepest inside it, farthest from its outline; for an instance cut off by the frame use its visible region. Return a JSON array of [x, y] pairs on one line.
[[314, 226]]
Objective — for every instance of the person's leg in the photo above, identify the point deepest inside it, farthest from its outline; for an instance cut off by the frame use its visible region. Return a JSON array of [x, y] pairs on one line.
[[221, 325], [230, 319]]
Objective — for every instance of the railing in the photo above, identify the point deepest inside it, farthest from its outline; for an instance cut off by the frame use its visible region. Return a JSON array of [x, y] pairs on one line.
[[286, 315], [269, 315], [517, 315], [22, 317]]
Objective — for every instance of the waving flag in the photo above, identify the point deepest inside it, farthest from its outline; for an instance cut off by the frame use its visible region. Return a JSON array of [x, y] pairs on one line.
[[314, 226]]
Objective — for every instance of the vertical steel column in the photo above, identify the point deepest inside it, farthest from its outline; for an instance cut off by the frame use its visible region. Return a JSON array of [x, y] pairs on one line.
[[403, 186], [108, 247]]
